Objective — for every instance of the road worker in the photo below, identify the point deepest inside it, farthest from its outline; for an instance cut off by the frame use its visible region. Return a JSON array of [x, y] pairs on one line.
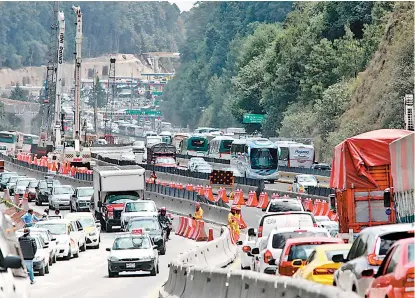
[[198, 215], [233, 221]]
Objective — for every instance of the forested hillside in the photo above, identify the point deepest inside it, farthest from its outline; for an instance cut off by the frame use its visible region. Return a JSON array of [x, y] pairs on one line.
[[325, 69], [108, 27]]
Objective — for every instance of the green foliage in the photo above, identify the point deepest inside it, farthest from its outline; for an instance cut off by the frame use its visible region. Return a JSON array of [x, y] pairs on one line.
[[108, 27], [19, 94]]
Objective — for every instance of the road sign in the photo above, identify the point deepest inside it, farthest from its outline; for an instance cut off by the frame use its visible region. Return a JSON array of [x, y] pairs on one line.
[[151, 113], [253, 118]]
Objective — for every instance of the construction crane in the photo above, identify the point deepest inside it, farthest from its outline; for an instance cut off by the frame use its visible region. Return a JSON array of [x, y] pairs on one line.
[[78, 61]]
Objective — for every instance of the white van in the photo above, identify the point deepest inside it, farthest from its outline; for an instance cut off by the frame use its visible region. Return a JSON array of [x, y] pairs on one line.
[[3, 150]]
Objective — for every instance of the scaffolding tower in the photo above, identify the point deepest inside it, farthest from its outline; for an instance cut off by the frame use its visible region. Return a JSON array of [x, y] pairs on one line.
[[409, 112]]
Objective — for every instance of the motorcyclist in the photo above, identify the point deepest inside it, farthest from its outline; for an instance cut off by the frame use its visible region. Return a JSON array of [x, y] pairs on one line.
[[164, 221]]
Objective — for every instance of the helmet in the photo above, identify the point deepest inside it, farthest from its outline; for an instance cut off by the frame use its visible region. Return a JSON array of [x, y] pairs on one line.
[[233, 207], [238, 207], [197, 204], [163, 210]]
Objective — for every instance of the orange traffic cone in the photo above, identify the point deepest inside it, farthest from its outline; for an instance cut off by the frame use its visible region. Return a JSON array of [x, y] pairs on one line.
[[189, 187], [222, 195], [252, 199], [239, 198], [263, 200], [201, 233], [210, 238], [209, 194]]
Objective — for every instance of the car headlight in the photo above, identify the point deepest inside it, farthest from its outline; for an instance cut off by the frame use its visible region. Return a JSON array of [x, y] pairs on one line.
[[38, 258], [93, 233], [113, 259], [147, 258]]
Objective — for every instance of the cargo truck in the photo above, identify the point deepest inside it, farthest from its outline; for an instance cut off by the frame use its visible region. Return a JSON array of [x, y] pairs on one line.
[[162, 154], [361, 173], [402, 168], [113, 187]]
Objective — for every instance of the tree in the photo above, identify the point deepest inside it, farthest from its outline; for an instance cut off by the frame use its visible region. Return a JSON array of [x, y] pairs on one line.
[[19, 94], [101, 95]]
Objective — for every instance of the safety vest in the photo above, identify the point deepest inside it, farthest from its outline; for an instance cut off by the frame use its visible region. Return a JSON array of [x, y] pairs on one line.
[[198, 214], [233, 222]]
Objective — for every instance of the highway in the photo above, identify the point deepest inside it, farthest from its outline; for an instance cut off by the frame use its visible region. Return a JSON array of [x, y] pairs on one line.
[[87, 276]]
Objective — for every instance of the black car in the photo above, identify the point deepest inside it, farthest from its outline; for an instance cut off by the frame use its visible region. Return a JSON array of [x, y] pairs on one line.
[[151, 226], [321, 166], [43, 190]]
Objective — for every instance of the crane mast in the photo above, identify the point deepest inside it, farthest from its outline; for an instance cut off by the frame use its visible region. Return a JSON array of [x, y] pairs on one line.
[[78, 61], [57, 116]]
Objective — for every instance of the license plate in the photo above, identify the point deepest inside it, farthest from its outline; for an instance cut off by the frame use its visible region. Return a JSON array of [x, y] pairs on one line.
[[130, 265]]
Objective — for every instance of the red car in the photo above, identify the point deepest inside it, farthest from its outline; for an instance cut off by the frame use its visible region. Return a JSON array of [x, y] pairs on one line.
[[297, 250], [395, 277]]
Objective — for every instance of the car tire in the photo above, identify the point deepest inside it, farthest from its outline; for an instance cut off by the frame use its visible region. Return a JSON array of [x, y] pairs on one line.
[[47, 269], [163, 250], [83, 247], [51, 207], [36, 202], [108, 228], [158, 271], [112, 274], [42, 271], [51, 261], [68, 257], [54, 258], [76, 255], [153, 272], [271, 181]]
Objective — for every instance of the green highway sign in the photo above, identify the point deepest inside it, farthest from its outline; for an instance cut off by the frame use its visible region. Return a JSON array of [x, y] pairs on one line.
[[253, 118], [158, 93], [144, 112]]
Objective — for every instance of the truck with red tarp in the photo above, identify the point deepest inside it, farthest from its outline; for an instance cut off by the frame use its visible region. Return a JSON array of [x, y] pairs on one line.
[[361, 172], [402, 168]]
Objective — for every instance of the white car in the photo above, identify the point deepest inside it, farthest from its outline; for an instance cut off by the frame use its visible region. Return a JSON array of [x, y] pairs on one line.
[[283, 205], [92, 228], [132, 252], [41, 260], [195, 161], [303, 181], [245, 246], [271, 249], [21, 185], [48, 239], [140, 208], [79, 233], [67, 242], [204, 168]]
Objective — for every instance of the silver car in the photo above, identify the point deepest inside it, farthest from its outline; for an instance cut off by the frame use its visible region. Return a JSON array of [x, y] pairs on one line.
[[60, 197]]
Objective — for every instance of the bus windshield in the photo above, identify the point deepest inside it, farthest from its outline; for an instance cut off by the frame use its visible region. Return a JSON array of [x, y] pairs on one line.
[[198, 143], [7, 138], [264, 158], [227, 144]]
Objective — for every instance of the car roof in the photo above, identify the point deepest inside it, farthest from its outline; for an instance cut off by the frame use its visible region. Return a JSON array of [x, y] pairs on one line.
[[53, 221], [329, 247], [306, 240], [306, 175], [33, 230], [126, 234], [143, 218], [84, 187], [405, 241], [386, 229], [287, 200], [284, 213], [77, 215], [308, 229]]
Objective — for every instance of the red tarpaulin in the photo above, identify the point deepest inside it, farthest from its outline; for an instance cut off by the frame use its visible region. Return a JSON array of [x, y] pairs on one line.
[[355, 154]]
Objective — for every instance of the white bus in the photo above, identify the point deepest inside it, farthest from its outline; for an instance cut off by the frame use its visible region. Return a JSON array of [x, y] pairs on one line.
[[255, 158], [295, 154], [220, 147], [12, 140], [28, 141]]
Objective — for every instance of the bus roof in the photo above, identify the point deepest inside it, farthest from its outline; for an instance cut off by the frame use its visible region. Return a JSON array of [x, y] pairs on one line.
[[260, 143], [222, 138]]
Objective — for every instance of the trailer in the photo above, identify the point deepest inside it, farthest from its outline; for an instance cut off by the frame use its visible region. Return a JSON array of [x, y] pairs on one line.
[[361, 173], [402, 168]]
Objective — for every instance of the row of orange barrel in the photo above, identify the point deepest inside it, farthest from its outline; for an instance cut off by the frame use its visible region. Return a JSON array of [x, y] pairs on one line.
[[63, 168], [317, 207], [193, 229]]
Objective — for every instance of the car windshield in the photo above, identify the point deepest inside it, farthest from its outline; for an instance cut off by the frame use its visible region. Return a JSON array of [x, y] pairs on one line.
[[63, 191], [44, 235], [140, 207], [146, 225], [23, 183], [32, 184], [331, 253], [278, 240], [118, 199], [87, 221], [85, 192], [54, 228], [264, 158], [13, 179], [166, 160], [306, 179], [301, 251], [131, 243], [411, 253], [285, 206], [6, 176]]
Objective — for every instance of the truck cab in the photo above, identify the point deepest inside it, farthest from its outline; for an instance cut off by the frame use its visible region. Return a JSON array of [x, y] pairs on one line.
[[113, 187]]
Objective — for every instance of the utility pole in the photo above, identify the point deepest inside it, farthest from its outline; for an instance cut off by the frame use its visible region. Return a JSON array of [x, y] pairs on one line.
[[95, 97], [78, 61], [110, 93]]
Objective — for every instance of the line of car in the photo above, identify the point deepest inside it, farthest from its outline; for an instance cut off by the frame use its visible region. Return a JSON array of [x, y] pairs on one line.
[[292, 242]]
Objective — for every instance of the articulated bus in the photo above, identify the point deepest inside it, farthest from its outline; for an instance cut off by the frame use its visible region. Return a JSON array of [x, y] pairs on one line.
[[28, 141], [255, 158], [12, 140], [295, 154], [220, 147]]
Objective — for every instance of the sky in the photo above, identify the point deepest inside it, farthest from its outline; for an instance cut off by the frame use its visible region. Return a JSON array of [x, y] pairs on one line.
[[183, 5]]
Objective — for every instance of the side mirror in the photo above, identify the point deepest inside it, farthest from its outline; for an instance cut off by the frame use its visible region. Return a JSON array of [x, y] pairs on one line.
[[251, 232], [159, 242], [108, 249], [338, 258], [239, 242], [12, 262], [53, 239], [387, 198], [270, 271], [98, 224], [155, 246], [80, 229], [264, 209], [297, 263], [272, 262], [46, 246], [368, 273], [255, 251], [36, 188]]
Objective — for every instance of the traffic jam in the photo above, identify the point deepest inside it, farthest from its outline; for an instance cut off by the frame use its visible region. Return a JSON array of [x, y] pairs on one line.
[[142, 229]]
